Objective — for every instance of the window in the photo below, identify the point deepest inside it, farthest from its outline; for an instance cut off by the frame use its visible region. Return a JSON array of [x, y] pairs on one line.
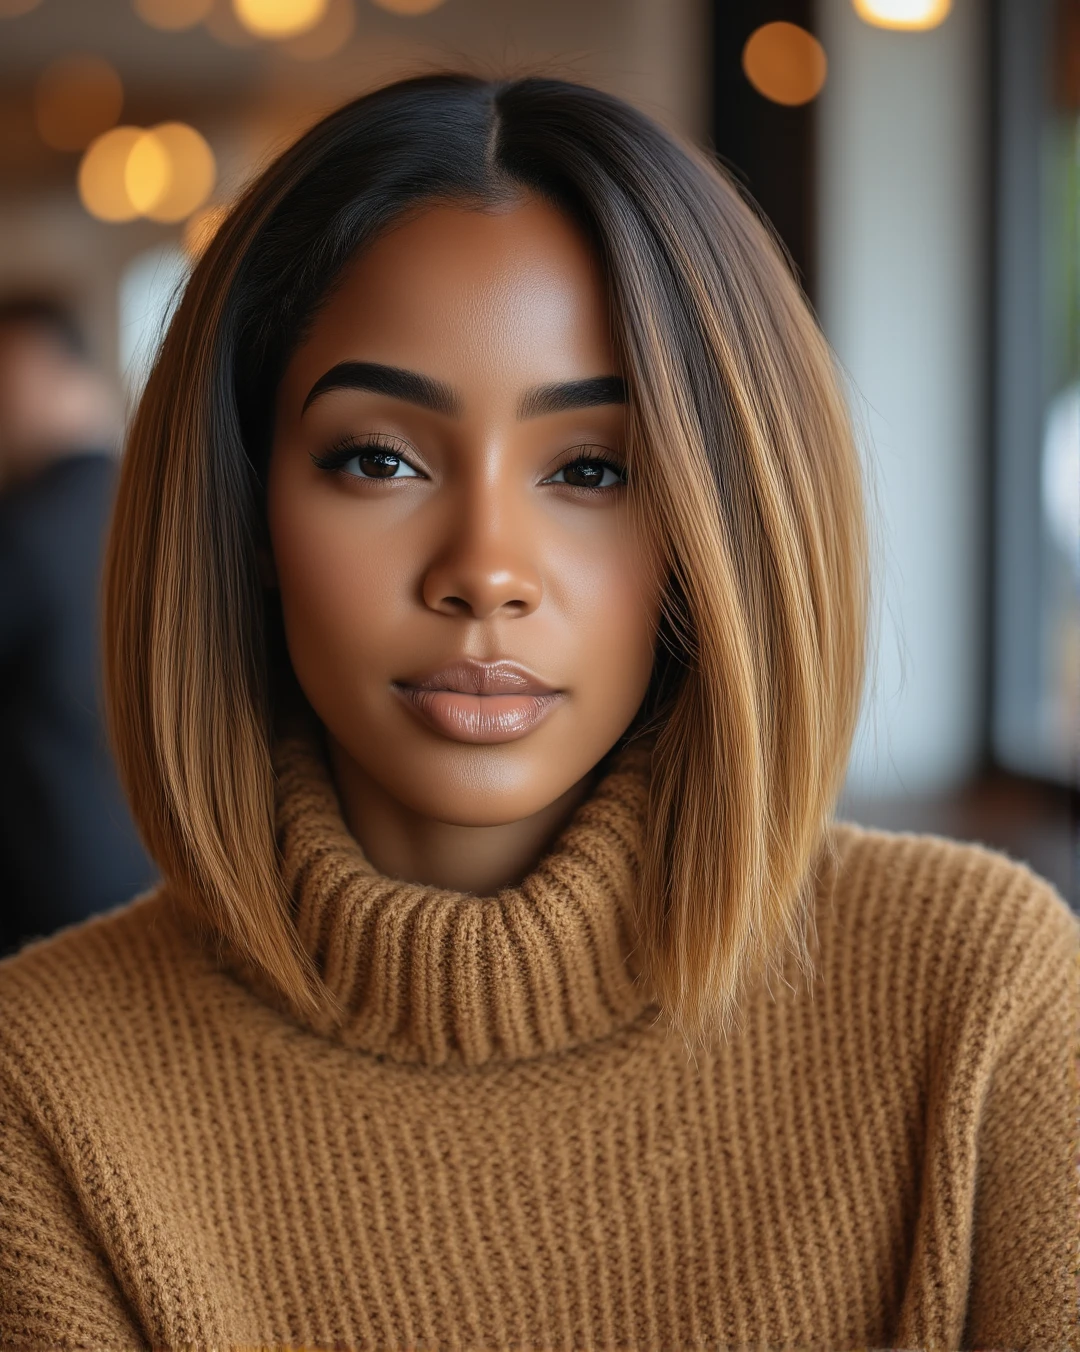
[[150, 287], [1036, 699]]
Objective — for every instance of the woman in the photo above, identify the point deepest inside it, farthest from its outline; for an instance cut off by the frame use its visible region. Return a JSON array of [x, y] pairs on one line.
[[491, 532]]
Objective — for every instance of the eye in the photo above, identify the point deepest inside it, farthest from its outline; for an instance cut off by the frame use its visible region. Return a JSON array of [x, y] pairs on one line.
[[589, 472], [380, 465], [374, 460]]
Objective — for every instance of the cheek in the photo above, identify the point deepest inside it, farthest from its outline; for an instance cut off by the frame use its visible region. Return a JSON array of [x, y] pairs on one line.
[[611, 600], [341, 581], [350, 578]]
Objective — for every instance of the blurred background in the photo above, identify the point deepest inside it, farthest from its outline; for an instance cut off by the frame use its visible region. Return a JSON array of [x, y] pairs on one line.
[[921, 161]]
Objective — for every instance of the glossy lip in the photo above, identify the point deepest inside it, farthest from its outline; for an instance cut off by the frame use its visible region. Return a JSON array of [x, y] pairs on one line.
[[480, 702]]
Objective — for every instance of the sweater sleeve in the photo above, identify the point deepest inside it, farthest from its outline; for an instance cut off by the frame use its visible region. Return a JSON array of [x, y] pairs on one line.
[[1026, 1229], [56, 1287]]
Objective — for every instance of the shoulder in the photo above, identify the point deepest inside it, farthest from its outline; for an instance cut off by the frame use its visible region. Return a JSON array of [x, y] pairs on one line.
[[933, 879], [102, 944], [87, 995], [959, 921]]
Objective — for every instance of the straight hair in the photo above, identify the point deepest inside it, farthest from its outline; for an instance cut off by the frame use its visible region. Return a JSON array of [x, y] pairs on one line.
[[742, 464]]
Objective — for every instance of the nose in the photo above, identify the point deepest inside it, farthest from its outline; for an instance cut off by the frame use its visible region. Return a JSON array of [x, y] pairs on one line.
[[485, 567]]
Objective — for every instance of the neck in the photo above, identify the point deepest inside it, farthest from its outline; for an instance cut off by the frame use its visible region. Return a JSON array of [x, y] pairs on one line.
[[449, 977], [403, 844]]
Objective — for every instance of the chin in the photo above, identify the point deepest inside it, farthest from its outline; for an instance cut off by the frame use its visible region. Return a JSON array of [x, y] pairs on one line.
[[462, 784], [481, 785]]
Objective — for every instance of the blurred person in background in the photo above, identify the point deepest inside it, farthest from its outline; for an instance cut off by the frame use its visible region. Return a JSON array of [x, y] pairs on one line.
[[67, 844]]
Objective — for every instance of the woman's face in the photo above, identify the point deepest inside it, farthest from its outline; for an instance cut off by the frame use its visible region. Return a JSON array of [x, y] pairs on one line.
[[469, 605]]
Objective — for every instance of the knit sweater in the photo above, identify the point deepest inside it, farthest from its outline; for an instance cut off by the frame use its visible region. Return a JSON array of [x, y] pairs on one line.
[[495, 1142]]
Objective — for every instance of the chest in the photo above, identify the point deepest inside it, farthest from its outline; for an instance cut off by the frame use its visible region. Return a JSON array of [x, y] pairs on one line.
[[633, 1198]]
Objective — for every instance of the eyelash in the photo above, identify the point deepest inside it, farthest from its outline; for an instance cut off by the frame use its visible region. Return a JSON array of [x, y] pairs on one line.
[[339, 455]]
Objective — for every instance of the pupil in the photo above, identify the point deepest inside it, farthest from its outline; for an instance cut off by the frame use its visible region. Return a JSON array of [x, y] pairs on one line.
[[379, 466], [585, 474]]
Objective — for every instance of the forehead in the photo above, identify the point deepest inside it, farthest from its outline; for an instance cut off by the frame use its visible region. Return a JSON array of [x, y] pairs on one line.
[[512, 296]]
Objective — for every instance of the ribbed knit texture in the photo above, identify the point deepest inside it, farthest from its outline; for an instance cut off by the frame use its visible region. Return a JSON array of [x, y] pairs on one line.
[[495, 1143]]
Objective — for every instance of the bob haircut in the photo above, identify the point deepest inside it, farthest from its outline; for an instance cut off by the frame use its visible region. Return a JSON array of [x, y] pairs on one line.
[[741, 460]]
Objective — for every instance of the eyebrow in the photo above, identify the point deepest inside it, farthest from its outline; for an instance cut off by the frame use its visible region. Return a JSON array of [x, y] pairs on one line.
[[414, 388], [392, 380], [570, 394]]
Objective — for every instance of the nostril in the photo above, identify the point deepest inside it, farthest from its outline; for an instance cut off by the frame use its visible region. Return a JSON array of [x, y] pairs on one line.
[[458, 605], [479, 592]]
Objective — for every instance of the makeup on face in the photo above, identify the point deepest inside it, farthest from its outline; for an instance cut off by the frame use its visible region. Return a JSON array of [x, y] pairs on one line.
[[382, 456], [466, 700], [481, 702], [469, 603]]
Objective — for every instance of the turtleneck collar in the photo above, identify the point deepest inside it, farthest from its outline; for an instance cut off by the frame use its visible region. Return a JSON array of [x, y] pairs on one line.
[[422, 974]]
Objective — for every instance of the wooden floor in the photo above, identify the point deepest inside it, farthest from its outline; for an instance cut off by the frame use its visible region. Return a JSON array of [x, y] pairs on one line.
[[1029, 820]]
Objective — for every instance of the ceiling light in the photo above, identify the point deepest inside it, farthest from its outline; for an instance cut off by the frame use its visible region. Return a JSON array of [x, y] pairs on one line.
[[784, 63], [101, 180], [328, 36], [279, 18], [170, 172], [904, 14]]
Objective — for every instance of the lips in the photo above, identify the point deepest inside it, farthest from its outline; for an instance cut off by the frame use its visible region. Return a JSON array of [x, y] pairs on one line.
[[480, 702]]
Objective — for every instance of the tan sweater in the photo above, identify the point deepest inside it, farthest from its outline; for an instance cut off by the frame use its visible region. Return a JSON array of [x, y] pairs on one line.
[[499, 1146]]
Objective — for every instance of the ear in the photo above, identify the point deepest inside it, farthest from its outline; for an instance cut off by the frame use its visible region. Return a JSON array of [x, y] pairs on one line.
[[267, 569]]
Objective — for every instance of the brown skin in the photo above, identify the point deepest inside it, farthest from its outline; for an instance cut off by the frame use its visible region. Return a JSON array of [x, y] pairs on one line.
[[472, 549]]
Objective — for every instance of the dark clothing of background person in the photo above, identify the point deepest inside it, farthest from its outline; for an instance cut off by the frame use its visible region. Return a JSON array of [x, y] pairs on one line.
[[67, 844]]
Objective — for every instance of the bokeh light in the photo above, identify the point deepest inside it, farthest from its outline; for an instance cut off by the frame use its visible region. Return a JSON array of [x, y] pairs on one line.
[[785, 63], [164, 173], [75, 99], [904, 14], [11, 9], [279, 18], [173, 15], [328, 36], [223, 24], [911, 15], [201, 227], [102, 186], [170, 172], [148, 172], [409, 6]]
